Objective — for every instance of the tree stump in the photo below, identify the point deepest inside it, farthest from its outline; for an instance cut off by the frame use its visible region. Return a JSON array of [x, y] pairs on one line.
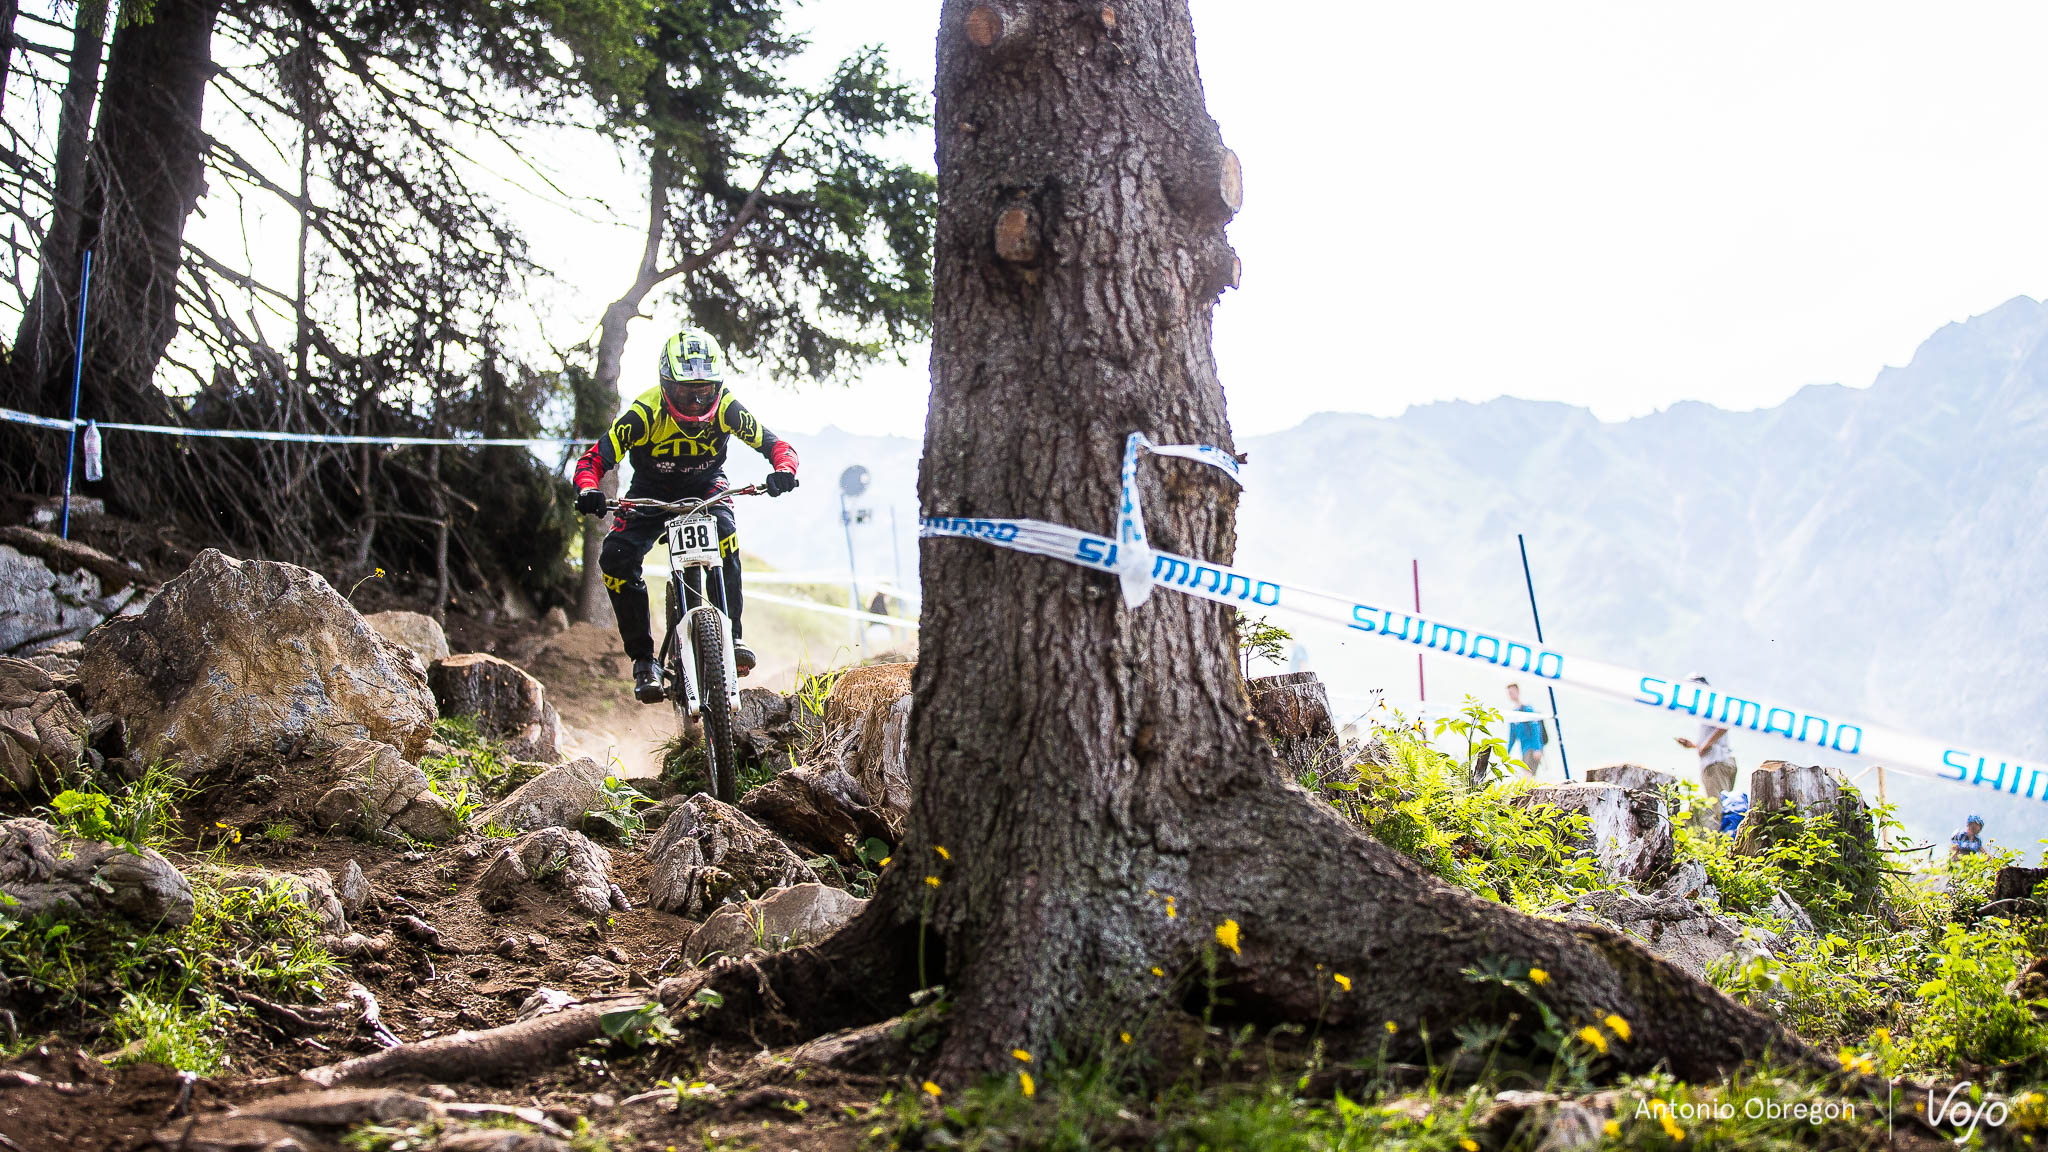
[[1295, 708]]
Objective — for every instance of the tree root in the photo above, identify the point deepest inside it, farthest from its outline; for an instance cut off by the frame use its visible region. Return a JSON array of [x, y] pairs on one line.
[[525, 1045]]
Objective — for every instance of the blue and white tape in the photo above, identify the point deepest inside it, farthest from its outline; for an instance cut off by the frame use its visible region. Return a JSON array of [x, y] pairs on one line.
[[12, 416], [1821, 733]]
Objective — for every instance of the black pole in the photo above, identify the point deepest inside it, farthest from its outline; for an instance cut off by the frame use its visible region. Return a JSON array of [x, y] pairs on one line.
[[1562, 759]]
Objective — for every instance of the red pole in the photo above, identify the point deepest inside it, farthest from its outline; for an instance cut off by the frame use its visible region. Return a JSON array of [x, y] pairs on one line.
[[1415, 570]]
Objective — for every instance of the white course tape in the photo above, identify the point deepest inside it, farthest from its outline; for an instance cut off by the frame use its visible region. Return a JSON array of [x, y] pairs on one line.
[[828, 609], [1135, 573], [13, 416], [1750, 712]]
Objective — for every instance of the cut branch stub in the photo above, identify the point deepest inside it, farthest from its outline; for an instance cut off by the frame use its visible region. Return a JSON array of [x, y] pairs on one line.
[[1017, 233], [1108, 18], [1230, 182], [997, 27]]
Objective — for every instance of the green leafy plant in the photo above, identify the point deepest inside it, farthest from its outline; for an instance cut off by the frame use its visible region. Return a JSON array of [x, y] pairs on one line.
[[1259, 640], [619, 809], [141, 814]]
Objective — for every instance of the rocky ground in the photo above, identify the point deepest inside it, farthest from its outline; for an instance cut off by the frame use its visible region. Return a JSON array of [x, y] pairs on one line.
[[435, 827]]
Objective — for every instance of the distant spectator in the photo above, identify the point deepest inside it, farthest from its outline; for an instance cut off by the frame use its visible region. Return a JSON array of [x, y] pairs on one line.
[[1969, 841], [1531, 736], [1717, 759]]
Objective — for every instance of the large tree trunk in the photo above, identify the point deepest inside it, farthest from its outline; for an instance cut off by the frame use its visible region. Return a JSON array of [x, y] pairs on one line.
[[1082, 762]]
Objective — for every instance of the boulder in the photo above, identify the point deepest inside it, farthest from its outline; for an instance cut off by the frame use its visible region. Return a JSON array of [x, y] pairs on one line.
[[251, 659], [509, 706], [1295, 710], [1689, 881], [1687, 935], [708, 852], [43, 736], [784, 918], [313, 890], [62, 555], [416, 632], [766, 728], [378, 794], [1630, 833], [557, 798], [556, 856], [45, 872], [823, 810]]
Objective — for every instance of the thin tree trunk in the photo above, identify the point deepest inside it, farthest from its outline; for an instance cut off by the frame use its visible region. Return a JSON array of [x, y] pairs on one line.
[[596, 406], [43, 341], [9, 10], [1080, 762]]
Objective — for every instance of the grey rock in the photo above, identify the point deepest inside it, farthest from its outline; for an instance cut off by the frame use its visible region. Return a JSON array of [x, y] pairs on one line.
[[785, 918], [341, 1108], [708, 852], [1689, 881], [1689, 936], [554, 856], [544, 1001], [38, 604], [557, 798], [238, 660], [43, 736], [822, 809], [508, 705], [1630, 832], [312, 890], [500, 1140], [378, 794], [415, 631], [48, 873], [595, 970], [353, 887], [227, 1133]]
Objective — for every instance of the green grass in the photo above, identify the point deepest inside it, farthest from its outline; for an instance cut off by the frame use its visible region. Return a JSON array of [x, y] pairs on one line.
[[159, 1029]]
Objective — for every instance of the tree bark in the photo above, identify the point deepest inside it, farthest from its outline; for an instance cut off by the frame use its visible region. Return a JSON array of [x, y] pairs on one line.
[[43, 340], [1080, 762]]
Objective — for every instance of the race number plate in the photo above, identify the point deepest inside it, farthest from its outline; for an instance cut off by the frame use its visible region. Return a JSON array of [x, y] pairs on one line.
[[693, 541]]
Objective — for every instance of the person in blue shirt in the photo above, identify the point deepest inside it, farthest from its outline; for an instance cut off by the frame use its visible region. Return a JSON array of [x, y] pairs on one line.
[[1969, 841], [1531, 736]]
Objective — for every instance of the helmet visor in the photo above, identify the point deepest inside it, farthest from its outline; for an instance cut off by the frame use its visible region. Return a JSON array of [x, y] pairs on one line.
[[695, 368]]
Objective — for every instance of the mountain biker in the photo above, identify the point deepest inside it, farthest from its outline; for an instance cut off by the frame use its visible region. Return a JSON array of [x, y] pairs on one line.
[[675, 434]]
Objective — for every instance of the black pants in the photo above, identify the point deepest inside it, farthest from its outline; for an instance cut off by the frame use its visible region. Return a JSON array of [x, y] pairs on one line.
[[625, 550]]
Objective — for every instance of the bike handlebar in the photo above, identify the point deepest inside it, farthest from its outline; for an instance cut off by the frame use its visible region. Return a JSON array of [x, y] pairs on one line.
[[684, 507]]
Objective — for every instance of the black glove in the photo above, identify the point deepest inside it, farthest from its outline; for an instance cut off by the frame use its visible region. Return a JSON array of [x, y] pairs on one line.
[[590, 501], [780, 482]]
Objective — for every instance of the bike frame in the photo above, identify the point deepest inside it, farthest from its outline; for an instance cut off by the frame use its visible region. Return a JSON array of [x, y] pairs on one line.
[[697, 567]]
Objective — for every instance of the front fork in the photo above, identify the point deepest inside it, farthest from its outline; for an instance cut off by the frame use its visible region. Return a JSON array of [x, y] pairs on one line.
[[686, 650]]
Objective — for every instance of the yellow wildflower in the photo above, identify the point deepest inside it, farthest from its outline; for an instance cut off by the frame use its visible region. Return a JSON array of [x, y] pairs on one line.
[[932, 1090], [1124, 1036], [1342, 980], [1613, 1129], [1538, 977], [1671, 1127], [1616, 1025], [1021, 1054], [1392, 1027], [943, 854], [1468, 1144], [1024, 1081], [931, 881], [1593, 1039], [1158, 971], [1226, 935], [885, 862], [1171, 911]]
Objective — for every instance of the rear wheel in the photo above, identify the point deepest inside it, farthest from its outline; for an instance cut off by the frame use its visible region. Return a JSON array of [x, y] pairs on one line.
[[707, 635]]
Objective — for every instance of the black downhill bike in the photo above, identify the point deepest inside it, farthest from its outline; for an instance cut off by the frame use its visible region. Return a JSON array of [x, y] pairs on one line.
[[697, 668]]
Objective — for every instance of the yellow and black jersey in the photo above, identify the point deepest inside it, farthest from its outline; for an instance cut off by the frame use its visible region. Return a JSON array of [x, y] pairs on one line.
[[673, 460]]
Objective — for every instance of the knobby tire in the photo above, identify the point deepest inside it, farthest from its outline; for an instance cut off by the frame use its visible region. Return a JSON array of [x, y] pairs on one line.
[[707, 634]]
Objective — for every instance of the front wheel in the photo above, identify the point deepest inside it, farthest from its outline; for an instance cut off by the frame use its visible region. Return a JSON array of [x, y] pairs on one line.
[[707, 636]]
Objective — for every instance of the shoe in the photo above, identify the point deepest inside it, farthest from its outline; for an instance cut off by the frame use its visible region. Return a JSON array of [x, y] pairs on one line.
[[647, 682], [742, 657]]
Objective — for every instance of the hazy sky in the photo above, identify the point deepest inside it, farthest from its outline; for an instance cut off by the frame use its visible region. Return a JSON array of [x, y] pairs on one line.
[[1616, 205]]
